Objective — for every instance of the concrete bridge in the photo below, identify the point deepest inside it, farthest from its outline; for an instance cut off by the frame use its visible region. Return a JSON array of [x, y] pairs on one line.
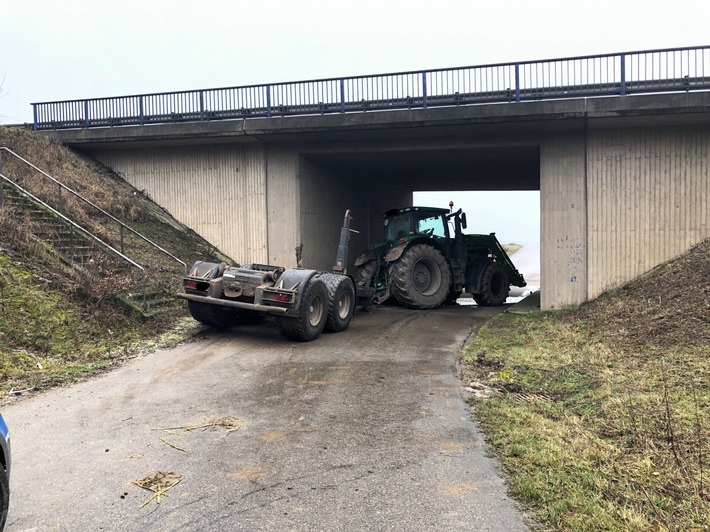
[[623, 179]]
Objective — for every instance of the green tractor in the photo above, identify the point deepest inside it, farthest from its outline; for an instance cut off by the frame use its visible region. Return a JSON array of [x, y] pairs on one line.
[[421, 265]]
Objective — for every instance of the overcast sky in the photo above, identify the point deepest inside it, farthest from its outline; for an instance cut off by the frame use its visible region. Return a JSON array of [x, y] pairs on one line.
[[73, 49]]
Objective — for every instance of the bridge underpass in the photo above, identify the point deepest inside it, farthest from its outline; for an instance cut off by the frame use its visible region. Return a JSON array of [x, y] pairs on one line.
[[457, 172], [623, 181]]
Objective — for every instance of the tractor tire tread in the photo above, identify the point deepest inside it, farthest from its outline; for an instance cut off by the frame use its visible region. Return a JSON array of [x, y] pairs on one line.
[[402, 282]]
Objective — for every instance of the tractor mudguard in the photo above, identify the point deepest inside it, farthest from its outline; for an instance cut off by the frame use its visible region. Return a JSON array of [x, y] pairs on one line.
[[367, 256], [473, 276], [395, 252]]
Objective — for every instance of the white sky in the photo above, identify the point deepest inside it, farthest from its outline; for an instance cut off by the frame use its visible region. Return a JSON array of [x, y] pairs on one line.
[[73, 49]]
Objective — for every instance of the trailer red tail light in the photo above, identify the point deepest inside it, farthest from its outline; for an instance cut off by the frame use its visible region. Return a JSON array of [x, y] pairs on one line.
[[283, 298], [191, 284]]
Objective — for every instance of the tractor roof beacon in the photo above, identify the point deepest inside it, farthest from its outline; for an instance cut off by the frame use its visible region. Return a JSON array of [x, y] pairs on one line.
[[422, 265]]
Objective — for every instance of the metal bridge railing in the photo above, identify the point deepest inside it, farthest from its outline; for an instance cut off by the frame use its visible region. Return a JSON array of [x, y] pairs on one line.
[[669, 70]]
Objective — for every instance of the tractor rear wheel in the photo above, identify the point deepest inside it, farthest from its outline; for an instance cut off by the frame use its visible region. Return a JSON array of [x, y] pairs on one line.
[[214, 315], [341, 301], [312, 314], [495, 286], [421, 278], [365, 272]]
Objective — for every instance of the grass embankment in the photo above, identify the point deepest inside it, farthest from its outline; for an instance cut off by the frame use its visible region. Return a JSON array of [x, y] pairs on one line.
[[603, 413], [49, 336], [56, 322]]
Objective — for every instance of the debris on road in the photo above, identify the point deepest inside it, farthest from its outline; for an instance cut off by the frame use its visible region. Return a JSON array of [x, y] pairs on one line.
[[158, 483], [171, 445], [232, 424]]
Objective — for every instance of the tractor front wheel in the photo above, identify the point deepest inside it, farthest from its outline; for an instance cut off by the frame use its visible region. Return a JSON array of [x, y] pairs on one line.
[[495, 286], [421, 278]]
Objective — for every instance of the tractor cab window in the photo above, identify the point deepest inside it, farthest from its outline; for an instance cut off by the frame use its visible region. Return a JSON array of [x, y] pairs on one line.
[[397, 227], [432, 226]]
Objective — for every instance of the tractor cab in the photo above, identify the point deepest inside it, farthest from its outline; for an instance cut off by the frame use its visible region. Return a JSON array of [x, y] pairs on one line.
[[411, 222]]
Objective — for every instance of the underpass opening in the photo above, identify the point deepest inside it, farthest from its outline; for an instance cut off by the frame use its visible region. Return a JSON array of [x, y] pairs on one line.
[[514, 217], [497, 186]]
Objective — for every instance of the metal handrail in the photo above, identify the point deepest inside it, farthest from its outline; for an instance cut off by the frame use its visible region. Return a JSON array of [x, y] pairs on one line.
[[82, 198], [646, 71], [79, 228]]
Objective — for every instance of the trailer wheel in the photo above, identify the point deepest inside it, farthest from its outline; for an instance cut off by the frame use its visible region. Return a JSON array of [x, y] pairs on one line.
[[421, 278], [214, 315], [312, 314], [341, 301], [495, 286]]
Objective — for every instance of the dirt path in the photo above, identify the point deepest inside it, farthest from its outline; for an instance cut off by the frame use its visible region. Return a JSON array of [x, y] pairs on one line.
[[363, 430]]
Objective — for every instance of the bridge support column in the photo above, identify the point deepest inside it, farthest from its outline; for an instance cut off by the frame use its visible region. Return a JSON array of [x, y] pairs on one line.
[[563, 197]]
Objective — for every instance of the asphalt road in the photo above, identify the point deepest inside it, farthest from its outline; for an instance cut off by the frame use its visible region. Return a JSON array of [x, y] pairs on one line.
[[362, 430]]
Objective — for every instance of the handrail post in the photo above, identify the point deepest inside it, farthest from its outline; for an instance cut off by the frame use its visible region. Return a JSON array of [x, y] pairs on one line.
[[424, 95], [623, 74], [342, 95], [34, 112], [141, 110], [122, 251], [59, 199], [202, 105], [517, 82], [268, 100], [145, 295], [86, 113]]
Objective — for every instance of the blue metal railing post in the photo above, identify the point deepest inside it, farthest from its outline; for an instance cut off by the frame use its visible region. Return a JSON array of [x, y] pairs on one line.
[[202, 105], [34, 112], [86, 113], [141, 110], [268, 100], [517, 82], [623, 74], [342, 95], [424, 102]]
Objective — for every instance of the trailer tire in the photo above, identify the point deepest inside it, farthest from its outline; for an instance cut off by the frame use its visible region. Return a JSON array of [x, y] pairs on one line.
[[495, 286], [421, 278], [312, 314], [341, 301], [213, 315]]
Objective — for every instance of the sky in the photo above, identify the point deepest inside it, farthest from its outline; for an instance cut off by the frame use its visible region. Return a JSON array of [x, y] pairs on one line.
[[73, 49]]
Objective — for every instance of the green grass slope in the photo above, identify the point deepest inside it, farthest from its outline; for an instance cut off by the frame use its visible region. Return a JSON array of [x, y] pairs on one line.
[[602, 415], [55, 326]]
